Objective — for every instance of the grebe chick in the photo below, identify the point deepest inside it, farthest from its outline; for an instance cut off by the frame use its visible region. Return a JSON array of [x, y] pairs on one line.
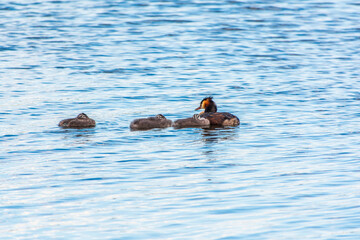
[[216, 118], [195, 121], [159, 121], [81, 121]]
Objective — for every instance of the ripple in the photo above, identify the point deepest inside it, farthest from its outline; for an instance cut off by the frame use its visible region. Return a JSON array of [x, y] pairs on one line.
[[291, 82]]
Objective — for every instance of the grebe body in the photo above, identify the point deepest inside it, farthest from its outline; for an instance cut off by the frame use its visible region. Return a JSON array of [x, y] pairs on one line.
[[81, 121], [159, 121], [216, 118], [195, 121]]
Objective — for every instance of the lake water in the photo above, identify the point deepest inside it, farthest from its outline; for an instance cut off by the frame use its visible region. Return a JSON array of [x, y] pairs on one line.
[[288, 69]]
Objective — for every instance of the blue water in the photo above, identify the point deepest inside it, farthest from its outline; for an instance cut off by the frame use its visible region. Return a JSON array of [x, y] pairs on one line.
[[288, 69]]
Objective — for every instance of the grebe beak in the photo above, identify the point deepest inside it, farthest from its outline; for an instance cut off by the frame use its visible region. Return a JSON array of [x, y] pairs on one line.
[[198, 108]]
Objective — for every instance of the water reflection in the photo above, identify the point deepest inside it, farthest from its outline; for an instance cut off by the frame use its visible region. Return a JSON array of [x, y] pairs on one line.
[[213, 136], [80, 136]]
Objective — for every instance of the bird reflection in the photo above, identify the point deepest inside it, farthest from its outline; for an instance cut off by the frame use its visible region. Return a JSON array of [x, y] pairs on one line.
[[213, 136], [80, 136]]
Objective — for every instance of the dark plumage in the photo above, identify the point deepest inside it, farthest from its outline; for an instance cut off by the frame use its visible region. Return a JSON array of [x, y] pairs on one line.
[[159, 121], [81, 121], [221, 118], [216, 118], [208, 104], [195, 121]]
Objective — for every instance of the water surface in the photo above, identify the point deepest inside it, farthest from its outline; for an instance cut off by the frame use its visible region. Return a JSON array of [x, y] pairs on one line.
[[288, 69]]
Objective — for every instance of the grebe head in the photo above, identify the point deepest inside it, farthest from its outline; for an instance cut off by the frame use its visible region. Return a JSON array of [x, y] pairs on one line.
[[208, 104], [82, 116], [198, 117], [160, 116]]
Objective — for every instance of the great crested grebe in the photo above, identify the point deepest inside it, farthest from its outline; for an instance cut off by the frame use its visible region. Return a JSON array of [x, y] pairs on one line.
[[195, 121], [159, 121], [216, 118], [81, 121]]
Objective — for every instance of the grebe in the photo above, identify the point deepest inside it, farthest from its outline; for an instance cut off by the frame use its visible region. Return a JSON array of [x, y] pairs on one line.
[[81, 121], [159, 121], [195, 121], [216, 118]]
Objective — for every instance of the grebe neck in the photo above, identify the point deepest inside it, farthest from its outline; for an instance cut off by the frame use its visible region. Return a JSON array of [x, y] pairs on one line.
[[211, 108]]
